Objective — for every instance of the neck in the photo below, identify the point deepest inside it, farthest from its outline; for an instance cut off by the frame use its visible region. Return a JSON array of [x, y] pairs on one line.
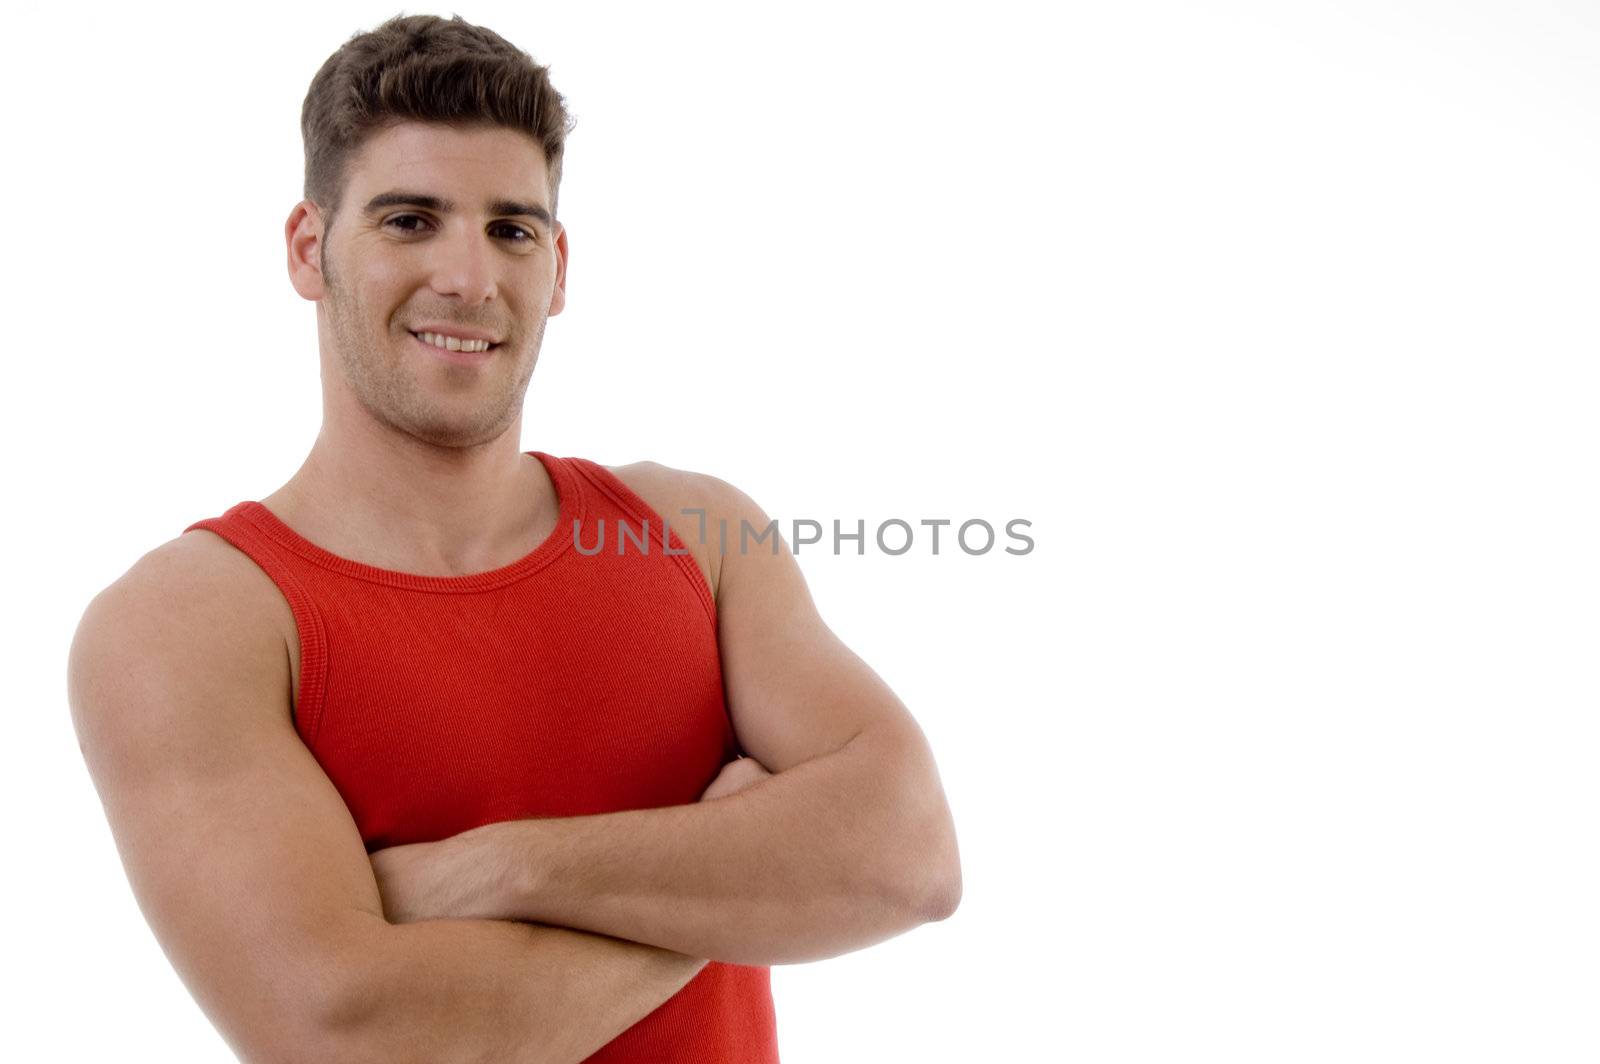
[[374, 494]]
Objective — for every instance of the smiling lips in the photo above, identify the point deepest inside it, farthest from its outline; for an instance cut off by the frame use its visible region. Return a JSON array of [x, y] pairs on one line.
[[452, 343]]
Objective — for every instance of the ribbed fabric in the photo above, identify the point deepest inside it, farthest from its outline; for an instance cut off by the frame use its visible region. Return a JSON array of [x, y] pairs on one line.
[[563, 684]]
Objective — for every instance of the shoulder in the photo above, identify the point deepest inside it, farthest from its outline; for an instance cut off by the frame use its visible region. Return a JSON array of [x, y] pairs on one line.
[[681, 483], [205, 572], [680, 496], [193, 603], [190, 572]]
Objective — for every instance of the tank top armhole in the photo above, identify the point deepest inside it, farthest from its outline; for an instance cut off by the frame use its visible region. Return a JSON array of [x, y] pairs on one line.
[[639, 510], [308, 702]]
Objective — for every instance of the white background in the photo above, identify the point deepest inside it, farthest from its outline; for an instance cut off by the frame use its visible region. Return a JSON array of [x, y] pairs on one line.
[[1276, 320]]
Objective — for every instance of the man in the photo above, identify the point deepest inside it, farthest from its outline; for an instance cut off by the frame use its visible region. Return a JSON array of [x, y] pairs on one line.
[[401, 767]]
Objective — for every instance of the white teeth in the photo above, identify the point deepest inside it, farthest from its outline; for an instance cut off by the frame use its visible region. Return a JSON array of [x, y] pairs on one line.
[[451, 343]]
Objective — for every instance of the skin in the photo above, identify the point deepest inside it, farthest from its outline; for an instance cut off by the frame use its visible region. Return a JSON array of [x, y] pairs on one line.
[[419, 468], [182, 701], [433, 880], [418, 465], [418, 456]]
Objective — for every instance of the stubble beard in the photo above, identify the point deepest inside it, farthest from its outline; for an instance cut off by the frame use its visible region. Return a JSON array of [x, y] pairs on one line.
[[384, 378]]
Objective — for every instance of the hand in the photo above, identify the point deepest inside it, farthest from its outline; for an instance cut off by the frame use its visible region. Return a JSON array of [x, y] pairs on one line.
[[426, 880], [735, 776]]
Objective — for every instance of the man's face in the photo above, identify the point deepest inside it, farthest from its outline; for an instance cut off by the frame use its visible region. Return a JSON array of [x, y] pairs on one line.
[[468, 264]]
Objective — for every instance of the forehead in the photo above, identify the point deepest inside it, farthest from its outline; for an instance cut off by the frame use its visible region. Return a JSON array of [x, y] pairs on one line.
[[439, 159]]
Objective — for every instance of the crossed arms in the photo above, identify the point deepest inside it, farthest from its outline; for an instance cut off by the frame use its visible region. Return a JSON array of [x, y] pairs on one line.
[[826, 857], [528, 941]]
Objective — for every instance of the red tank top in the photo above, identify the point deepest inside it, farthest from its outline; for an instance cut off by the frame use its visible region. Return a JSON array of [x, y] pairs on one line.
[[563, 684]]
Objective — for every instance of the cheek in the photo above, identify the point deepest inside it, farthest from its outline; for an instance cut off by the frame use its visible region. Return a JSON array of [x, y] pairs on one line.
[[387, 284]]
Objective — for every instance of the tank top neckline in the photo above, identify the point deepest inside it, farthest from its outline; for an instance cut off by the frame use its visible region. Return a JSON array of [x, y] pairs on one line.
[[570, 508]]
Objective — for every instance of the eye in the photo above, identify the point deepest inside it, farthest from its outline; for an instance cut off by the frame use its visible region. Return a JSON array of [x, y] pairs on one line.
[[519, 234], [527, 237], [404, 217]]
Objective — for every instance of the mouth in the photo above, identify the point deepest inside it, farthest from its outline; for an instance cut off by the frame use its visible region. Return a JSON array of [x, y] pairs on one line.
[[467, 352]]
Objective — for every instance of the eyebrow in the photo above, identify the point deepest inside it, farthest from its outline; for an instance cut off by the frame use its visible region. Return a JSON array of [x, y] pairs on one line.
[[505, 207]]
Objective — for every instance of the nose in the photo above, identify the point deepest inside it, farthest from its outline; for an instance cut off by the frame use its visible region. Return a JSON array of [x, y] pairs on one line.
[[463, 265]]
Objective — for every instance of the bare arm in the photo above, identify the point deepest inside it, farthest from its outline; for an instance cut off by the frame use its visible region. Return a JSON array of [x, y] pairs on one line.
[[849, 843], [795, 868], [253, 877]]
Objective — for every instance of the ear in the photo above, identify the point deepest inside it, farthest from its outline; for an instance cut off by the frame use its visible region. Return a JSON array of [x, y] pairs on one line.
[[558, 297], [303, 233]]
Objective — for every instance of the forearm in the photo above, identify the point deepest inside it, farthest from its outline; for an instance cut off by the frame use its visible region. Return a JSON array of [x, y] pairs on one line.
[[470, 991], [826, 857]]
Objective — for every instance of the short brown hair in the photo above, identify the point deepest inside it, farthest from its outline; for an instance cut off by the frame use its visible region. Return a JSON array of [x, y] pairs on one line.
[[428, 69]]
